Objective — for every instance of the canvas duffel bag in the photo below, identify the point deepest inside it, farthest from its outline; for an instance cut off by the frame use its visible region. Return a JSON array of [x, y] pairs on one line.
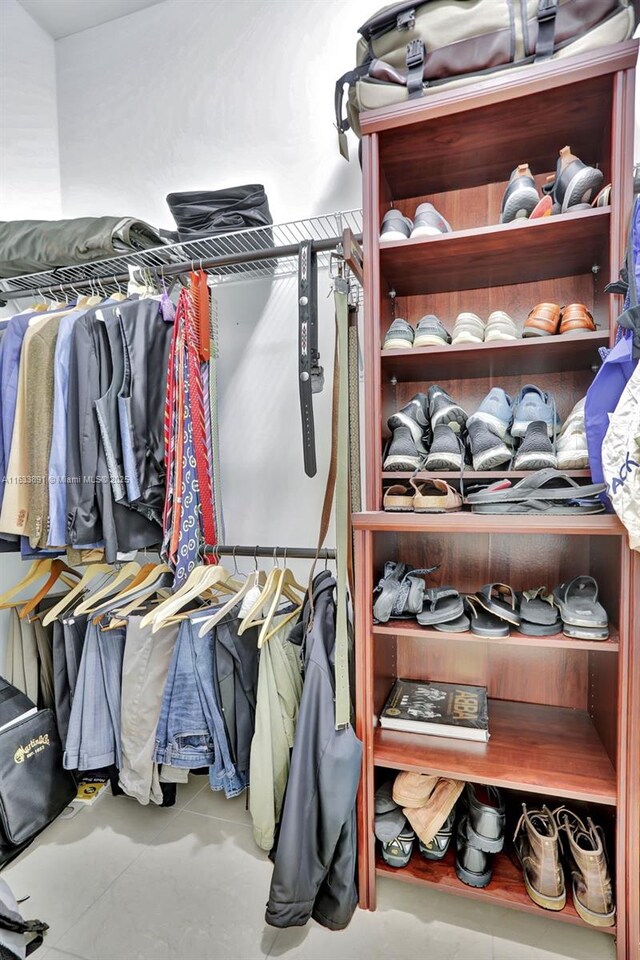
[[410, 49]]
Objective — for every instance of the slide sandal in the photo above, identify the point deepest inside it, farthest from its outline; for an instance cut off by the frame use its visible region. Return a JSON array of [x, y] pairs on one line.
[[398, 498], [499, 600], [547, 484], [586, 633], [578, 603], [484, 624], [460, 625], [441, 605], [570, 508], [540, 629]]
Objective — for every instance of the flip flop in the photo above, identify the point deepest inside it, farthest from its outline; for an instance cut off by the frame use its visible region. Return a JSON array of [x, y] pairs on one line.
[[547, 484], [441, 605], [398, 499], [578, 603], [537, 606], [541, 507], [460, 625], [540, 629], [435, 496], [499, 599], [586, 633], [484, 624]]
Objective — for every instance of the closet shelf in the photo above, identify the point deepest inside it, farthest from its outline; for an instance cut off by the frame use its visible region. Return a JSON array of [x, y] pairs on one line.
[[533, 748], [577, 351], [506, 888], [495, 255], [402, 628], [599, 524], [242, 244]]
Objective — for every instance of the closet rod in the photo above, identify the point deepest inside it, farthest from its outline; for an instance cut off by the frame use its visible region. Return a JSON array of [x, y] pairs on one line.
[[292, 553], [175, 269]]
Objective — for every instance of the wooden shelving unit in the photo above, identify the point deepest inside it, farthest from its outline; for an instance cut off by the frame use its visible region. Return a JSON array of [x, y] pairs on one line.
[[559, 708]]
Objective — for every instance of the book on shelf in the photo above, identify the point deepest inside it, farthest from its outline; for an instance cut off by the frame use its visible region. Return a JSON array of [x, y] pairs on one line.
[[437, 708]]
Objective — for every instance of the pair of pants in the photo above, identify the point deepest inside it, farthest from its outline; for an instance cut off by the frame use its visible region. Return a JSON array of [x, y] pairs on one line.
[[93, 739], [68, 641], [144, 672], [191, 732], [29, 664]]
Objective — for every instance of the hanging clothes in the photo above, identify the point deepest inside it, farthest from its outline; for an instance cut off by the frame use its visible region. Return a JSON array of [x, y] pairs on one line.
[[315, 859]]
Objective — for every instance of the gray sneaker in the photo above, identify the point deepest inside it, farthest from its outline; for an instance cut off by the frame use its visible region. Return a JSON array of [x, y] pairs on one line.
[[415, 416], [536, 450], [399, 336], [488, 449], [402, 453], [444, 409], [428, 222], [532, 404], [521, 196], [395, 226], [430, 332], [447, 450], [496, 410]]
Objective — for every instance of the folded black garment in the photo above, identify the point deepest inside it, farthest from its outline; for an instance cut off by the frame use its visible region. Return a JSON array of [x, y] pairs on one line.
[[205, 213], [29, 246]]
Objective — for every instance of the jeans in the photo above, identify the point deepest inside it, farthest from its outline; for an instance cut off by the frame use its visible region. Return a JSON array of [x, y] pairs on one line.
[[191, 732], [93, 739]]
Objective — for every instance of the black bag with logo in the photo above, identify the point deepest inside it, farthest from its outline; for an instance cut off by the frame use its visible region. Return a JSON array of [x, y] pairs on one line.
[[34, 786]]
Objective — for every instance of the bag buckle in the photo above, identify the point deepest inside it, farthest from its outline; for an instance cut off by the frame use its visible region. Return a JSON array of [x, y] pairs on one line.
[[547, 10], [406, 20], [415, 53]]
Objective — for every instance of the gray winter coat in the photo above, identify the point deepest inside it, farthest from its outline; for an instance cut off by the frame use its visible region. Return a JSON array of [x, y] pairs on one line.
[[316, 855]]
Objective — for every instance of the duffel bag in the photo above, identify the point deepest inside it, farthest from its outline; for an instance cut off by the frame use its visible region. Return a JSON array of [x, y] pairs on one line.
[[408, 50]]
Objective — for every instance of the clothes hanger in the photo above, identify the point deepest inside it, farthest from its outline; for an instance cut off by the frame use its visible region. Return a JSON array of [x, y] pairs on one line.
[[37, 570], [119, 296], [250, 582], [283, 586], [211, 575], [92, 571], [149, 574], [126, 572], [58, 567], [119, 619], [255, 616]]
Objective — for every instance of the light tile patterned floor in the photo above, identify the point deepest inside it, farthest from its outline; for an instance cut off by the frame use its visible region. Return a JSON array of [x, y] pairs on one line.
[[125, 882]]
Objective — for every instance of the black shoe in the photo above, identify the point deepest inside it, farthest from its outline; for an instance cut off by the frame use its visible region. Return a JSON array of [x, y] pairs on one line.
[[575, 183], [447, 450], [444, 410], [485, 817], [521, 196], [415, 416], [437, 848], [536, 450], [473, 866], [488, 449]]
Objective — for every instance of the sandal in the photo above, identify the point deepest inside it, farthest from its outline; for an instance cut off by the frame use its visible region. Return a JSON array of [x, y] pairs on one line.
[[538, 614], [570, 508], [400, 592], [499, 599], [398, 499], [441, 605], [547, 484], [578, 603], [484, 624], [435, 496]]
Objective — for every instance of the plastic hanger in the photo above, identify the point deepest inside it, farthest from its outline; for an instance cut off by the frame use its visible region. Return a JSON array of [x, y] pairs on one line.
[[58, 567], [127, 572], [92, 571]]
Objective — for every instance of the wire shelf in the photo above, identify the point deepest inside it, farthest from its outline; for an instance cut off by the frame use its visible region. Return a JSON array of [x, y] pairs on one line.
[[240, 243]]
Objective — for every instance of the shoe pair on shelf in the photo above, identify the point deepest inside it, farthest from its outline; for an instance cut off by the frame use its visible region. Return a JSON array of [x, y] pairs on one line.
[[428, 332], [468, 328], [413, 429], [427, 222], [549, 319], [543, 839], [574, 187]]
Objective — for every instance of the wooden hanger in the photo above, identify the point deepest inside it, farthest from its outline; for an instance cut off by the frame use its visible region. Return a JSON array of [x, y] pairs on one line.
[[283, 585], [255, 578], [58, 567], [37, 570], [126, 572], [208, 577], [92, 571], [142, 585]]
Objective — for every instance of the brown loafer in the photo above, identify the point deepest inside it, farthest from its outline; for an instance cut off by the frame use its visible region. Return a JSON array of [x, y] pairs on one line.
[[575, 318], [543, 321]]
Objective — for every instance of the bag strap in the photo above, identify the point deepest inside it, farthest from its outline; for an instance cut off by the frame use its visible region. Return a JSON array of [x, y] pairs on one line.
[[342, 124], [546, 14]]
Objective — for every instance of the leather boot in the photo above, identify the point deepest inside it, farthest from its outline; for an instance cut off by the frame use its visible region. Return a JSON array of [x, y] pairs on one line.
[[587, 858], [537, 844]]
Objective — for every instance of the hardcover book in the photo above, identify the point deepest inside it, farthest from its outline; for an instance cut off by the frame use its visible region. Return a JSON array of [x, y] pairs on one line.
[[437, 708]]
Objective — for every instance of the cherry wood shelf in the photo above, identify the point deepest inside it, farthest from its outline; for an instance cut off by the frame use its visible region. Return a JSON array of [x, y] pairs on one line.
[[534, 748], [403, 628], [473, 474], [491, 256], [597, 524], [505, 889], [576, 351]]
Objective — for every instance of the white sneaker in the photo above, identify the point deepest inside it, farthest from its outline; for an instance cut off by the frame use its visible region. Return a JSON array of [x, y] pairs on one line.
[[571, 444], [500, 326], [468, 328]]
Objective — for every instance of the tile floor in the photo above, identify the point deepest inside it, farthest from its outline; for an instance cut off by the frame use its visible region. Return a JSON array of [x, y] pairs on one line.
[[125, 882]]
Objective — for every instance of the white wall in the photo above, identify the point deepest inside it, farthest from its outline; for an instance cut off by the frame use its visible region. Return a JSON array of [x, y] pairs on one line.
[[201, 94], [29, 160]]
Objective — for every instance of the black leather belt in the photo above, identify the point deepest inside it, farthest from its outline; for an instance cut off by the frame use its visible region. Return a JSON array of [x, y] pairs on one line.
[[310, 373]]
